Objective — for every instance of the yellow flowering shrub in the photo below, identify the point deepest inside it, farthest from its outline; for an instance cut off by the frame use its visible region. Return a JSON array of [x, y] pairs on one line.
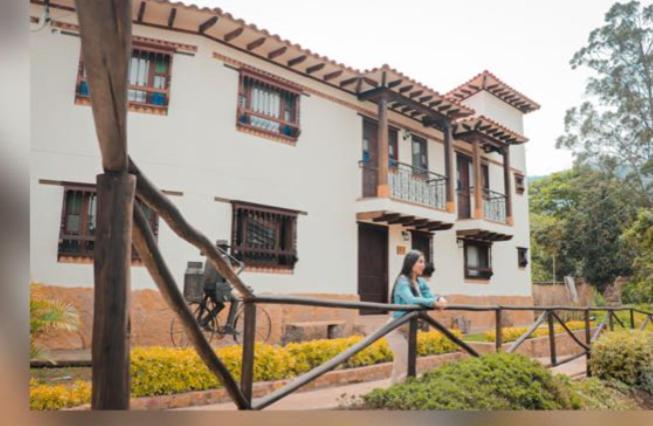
[[165, 371], [511, 334], [56, 397]]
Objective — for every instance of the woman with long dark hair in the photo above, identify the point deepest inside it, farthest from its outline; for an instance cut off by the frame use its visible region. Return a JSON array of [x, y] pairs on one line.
[[410, 289]]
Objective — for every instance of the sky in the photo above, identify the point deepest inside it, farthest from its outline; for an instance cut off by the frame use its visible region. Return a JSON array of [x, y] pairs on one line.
[[527, 44]]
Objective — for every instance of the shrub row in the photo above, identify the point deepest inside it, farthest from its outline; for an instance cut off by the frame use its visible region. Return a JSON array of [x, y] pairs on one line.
[[164, 371], [510, 334]]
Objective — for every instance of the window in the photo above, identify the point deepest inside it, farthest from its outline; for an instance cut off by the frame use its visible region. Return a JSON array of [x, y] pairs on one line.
[[520, 186], [149, 79], [478, 262], [78, 222], [268, 106], [420, 159], [423, 241], [264, 236], [370, 137], [522, 256]]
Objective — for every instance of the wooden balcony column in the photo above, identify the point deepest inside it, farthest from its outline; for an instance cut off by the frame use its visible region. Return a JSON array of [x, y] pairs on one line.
[[478, 183], [382, 188], [506, 183], [448, 159]]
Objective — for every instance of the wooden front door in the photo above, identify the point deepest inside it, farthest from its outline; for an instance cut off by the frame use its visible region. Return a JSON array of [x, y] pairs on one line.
[[463, 167], [372, 265]]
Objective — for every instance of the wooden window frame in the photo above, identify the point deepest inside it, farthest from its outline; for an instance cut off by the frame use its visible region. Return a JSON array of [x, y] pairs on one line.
[[522, 257], [485, 273], [418, 169], [429, 257], [520, 183], [244, 112], [88, 190], [82, 93], [283, 256]]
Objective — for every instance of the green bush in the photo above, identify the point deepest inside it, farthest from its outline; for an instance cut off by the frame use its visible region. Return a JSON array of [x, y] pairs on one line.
[[492, 382], [597, 395], [625, 355]]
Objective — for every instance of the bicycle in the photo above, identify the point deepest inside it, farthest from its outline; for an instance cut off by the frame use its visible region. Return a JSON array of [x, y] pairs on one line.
[[212, 329]]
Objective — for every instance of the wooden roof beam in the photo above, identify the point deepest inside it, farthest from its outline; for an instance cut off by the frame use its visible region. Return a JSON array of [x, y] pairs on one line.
[[172, 16], [386, 217], [256, 43], [332, 75], [277, 52], [401, 220], [297, 60], [348, 81], [233, 34], [314, 68], [207, 24], [394, 83], [405, 88], [141, 11], [371, 82]]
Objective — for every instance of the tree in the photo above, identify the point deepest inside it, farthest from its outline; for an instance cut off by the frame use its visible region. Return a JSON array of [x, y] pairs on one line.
[[639, 239], [615, 127], [577, 218]]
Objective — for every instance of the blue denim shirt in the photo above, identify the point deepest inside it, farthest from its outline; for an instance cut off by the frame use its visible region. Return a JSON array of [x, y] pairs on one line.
[[404, 296]]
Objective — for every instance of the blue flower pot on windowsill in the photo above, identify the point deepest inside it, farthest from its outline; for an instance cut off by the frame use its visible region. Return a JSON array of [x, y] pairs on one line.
[[244, 118], [83, 88]]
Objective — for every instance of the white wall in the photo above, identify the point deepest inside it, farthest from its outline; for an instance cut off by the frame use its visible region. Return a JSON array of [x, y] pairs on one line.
[[197, 150]]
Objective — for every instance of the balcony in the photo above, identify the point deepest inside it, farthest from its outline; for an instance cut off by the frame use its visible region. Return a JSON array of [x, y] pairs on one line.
[[494, 206], [408, 183]]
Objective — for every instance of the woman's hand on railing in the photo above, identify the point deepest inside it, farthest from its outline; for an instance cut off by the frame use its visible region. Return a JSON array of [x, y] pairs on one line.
[[440, 303]]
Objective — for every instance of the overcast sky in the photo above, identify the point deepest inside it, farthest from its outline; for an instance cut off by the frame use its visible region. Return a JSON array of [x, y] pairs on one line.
[[527, 44]]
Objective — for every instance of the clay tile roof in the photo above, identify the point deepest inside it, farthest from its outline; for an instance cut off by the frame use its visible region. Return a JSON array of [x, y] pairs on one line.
[[488, 127], [491, 83]]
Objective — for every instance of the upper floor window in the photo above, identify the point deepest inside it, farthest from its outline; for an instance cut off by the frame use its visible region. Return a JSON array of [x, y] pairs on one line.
[[478, 259], [420, 159], [79, 219], [268, 106], [522, 257], [370, 146], [149, 80], [520, 186], [264, 236]]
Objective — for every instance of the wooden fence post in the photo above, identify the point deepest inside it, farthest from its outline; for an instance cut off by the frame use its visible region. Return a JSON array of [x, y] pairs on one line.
[[552, 339], [110, 341], [588, 340], [249, 337], [498, 340], [412, 348], [610, 320], [632, 319]]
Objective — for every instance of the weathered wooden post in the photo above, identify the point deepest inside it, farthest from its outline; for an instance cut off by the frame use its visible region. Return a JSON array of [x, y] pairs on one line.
[[610, 320], [498, 340], [588, 340], [552, 338], [632, 318], [105, 29], [249, 337], [412, 348]]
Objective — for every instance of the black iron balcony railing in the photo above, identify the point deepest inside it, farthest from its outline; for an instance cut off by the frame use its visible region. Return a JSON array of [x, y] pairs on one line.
[[408, 183], [494, 206]]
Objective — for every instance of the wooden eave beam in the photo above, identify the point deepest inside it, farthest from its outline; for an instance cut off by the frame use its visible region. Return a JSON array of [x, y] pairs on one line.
[[207, 24], [233, 34], [297, 60], [141, 11], [314, 68], [332, 75], [386, 217], [348, 81], [256, 43], [277, 52], [172, 16]]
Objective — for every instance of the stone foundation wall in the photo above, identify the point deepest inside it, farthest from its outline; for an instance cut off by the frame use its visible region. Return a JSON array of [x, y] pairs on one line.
[[151, 317]]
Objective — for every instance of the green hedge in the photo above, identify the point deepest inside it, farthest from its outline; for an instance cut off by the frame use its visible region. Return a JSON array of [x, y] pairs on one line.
[[492, 382], [626, 356], [164, 371]]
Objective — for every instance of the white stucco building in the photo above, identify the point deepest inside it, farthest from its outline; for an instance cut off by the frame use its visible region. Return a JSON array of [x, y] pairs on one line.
[[278, 150]]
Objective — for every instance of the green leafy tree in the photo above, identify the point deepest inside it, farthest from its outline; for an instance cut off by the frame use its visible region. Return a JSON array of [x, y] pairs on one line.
[[639, 239], [577, 218], [615, 126]]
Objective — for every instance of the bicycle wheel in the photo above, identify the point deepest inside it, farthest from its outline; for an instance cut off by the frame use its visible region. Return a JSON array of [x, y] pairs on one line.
[[263, 325], [178, 334]]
